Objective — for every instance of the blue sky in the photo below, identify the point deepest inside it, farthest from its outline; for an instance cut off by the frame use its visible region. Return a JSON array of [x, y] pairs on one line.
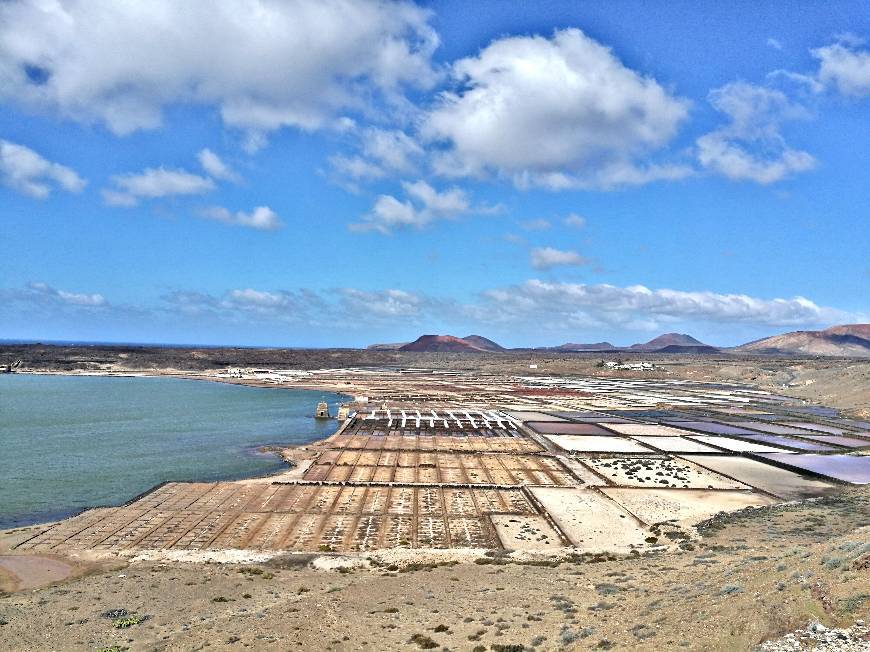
[[348, 172]]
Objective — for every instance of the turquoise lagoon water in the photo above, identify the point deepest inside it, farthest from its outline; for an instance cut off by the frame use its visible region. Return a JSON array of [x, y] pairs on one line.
[[72, 442]]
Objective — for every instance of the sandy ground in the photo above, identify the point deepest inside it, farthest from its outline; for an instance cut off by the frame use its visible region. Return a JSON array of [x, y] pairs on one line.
[[686, 506], [27, 572], [753, 575]]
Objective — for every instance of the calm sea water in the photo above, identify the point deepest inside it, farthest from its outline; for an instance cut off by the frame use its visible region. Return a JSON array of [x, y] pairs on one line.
[[71, 442]]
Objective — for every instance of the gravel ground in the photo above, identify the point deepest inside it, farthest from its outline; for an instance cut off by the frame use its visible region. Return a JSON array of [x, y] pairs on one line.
[[819, 638]]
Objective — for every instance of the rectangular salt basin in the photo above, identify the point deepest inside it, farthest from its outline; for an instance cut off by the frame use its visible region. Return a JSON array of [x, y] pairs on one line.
[[737, 445], [789, 442], [654, 414], [816, 427], [711, 427], [519, 532], [773, 428], [589, 416], [676, 444], [755, 413], [847, 442], [591, 521], [594, 444], [863, 425], [646, 430], [586, 475], [688, 506], [848, 468], [659, 472], [550, 428], [534, 416], [779, 482]]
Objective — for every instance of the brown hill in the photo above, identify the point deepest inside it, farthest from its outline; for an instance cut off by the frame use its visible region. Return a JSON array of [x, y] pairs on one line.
[[483, 343], [858, 330], [441, 344], [668, 339], [848, 340]]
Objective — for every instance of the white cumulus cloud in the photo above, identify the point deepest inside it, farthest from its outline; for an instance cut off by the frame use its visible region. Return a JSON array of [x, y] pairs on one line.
[[389, 303], [844, 66], [238, 305], [259, 299], [393, 150], [215, 166], [345, 307], [574, 221], [154, 183], [62, 296], [263, 64], [25, 171], [261, 218], [548, 257], [356, 168], [751, 146], [557, 112], [538, 224], [424, 205], [612, 305]]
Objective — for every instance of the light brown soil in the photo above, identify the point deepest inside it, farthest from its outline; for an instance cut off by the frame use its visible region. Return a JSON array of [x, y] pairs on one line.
[[19, 572]]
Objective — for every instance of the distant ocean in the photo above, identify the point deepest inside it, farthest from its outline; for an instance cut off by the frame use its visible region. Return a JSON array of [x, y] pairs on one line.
[[72, 442]]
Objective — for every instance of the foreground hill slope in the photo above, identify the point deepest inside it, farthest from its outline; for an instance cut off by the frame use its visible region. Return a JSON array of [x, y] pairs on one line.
[[751, 576]]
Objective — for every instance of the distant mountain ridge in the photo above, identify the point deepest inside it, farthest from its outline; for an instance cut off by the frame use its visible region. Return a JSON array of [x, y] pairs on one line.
[[666, 343], [845, 340]]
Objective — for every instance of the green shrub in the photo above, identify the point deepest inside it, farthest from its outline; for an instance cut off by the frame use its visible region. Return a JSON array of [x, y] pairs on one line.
[[127, 621]]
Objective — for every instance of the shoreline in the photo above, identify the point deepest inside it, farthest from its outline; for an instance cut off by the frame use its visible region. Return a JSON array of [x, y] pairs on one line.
[[187, 375]]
